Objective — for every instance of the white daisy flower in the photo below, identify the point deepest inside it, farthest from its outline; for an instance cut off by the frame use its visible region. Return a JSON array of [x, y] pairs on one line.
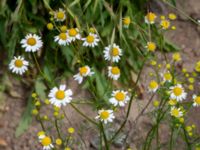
[[60, 96], [18, 65], [74, 34], [41, 135], [32, 43], [114, 72], [60, 15], [167, 77], [46, 143], [112, 53], [119, 97], [196, 100], [126, 22], [176, 112], [62, 39], [177, 92], [83, 72], [105, 116], [150, 18], [91, 40], [153, 86]]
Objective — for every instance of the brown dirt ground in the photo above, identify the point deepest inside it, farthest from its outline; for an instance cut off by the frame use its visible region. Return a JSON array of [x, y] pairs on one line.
[[187, 37]]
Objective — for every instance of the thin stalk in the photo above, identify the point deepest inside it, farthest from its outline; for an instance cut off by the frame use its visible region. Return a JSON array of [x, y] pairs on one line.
[[83, 115], [171, 138], [186, 139], [41, 123], [104, 136], [57, 128], [39, 69], [129, 105], [182, 12]]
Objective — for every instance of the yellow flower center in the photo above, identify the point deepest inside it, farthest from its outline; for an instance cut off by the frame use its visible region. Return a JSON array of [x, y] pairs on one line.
[[63, 36], [120, 96], [167, 76], [151, 17], [172, 16], [177, 91], [197, 67], [31, 41], [127, 21], [165, 24], [60, 94], [151, 46], [90, 38], [72, 32], [175, 112], [172, 102], [197, 100], [153, 85], [104, 115], [176, 57], [46, 141], [18, 63], [41, 133], [83, 70], [115, 51], [60, 15], [115, 70]]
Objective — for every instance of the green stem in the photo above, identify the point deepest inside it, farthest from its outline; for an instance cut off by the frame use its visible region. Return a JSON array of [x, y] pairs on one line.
[[171, 138], [83, 115], [129, 105], [104, 136], [57, 128], [186, 139], [41, 123], [182, 12], [39, 69]]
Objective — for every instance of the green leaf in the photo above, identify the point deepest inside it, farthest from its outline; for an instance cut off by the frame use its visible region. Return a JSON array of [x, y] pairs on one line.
[[40, 89], [25, 120], [170, 47], [173, 2], [100, 83]]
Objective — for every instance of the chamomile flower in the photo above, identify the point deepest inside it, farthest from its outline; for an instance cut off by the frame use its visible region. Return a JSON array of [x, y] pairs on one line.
[[74, 34], [167, 77], [196, 100], [41, 135], [153, 86], [172, 102], [59, 15], [83, 72], [91, 40], [32, 43], [197, 66], [126, 22], [172, 16], [151, 46], [150, 18], [176, 112], [176, 57], [177, 92], [112, 53], [60, 96], [46, 143], [18, 65], [119, 97], [105, 116], [114, 72], [62, 39], [165, 24]]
